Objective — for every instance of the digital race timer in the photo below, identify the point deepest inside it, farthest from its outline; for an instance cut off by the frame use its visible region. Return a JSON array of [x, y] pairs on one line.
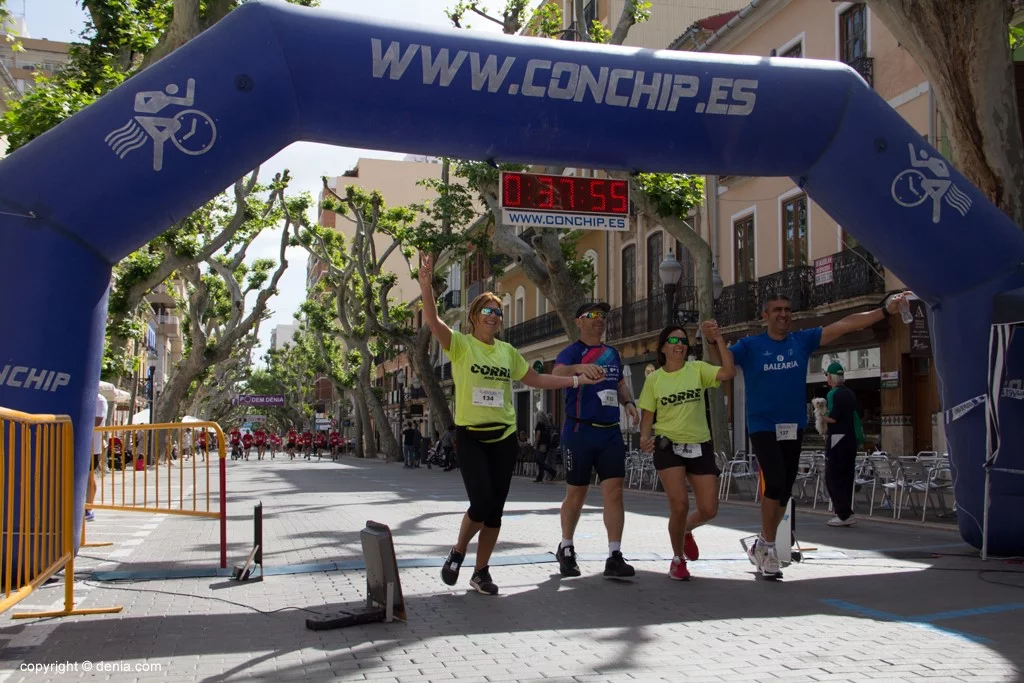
[[569, 194]]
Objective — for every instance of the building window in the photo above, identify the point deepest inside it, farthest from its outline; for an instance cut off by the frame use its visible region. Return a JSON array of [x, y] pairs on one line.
[[794, 232], [506, 309], [685, 259], [520, 315], [853, 33], [655, 252], [628, 271], [744, 245], [794, 51]]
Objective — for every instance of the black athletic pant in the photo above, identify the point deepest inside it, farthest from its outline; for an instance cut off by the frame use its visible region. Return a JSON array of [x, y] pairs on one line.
[[840, 469], [487, 473], [542, 465]]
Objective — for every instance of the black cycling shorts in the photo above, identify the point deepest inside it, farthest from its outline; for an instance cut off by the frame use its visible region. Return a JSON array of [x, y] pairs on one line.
[[779, 462]]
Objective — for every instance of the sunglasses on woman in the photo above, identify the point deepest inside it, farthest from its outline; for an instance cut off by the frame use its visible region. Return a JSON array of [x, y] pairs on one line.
[[677, 340], [486, 310], [595, 315]]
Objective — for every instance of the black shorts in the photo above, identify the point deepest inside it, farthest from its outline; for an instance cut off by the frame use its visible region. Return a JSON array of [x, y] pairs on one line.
[[665, 458], [96, 460], [779, 462], [587, 448]]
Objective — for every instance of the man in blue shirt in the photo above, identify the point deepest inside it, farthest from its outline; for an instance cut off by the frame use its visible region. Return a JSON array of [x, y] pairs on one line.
[[591, 439], [774, 365]]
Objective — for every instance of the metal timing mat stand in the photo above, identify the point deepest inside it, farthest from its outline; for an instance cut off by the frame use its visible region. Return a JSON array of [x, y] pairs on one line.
[[384, 601], [244, 572]]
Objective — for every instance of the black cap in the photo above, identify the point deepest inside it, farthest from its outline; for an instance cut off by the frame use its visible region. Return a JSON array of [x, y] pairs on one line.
[[591, 306]]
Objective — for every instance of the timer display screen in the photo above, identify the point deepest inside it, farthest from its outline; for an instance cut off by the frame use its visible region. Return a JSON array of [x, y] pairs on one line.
[[539, 192]]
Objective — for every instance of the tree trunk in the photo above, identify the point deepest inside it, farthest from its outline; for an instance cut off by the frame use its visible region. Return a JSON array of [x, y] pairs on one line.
[[358, 410], [388, 442], [419, 358], [963, 49]]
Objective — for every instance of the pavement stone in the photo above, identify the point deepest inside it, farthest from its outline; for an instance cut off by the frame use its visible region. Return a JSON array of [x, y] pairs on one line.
[[877, 601]]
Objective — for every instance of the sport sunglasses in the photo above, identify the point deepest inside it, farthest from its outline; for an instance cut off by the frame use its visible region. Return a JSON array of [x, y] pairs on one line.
[[487, 310], [595, 315], [678, 340]]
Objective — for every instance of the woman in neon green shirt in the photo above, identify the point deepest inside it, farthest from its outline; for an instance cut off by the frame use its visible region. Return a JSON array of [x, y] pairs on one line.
[[681, 440], [483, 369]]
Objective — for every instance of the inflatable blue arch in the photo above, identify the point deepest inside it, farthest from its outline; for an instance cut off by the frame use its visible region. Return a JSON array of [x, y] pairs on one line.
[[103, 183]]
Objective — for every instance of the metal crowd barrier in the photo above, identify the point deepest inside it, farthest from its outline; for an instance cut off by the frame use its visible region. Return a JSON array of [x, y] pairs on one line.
[[37, 498], [166, 469]]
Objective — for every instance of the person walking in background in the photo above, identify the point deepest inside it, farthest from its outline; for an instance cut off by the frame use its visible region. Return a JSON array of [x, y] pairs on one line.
[[841, 446], [410, 445], [97, 455], [541, 446], [448, 448], [483, 369]]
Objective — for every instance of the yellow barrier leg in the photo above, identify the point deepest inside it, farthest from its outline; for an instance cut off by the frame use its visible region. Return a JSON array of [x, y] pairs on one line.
[[83, 544], [69, 601]]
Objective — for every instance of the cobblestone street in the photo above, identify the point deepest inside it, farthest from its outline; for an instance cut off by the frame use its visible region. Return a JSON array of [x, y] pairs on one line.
[[877, 601]]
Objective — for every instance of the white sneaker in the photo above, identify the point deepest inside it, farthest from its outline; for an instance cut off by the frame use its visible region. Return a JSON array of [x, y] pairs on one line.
[[760, 550], [835, 521], [769, 564]]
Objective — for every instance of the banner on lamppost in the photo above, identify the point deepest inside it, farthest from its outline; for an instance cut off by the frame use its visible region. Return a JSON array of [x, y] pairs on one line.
[[258, 400]]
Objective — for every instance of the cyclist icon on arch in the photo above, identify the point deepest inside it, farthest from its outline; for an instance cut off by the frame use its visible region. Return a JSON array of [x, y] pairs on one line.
[[192, 131]]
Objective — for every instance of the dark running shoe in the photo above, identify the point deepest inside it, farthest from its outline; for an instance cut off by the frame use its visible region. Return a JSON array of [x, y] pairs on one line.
[[567, 561], [615, 567], [450, 570], [481, 582]]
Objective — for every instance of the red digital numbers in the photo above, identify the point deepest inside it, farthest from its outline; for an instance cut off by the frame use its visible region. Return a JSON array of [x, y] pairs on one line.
[[564, 193], [512, 190]]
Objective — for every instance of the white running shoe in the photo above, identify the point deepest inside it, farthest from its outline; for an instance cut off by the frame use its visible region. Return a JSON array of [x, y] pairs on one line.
[[769, 564], [756, 556], [835, 521]]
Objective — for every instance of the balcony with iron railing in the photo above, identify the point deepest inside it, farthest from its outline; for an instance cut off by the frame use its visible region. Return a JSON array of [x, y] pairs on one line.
[[854, 273], [865, 66], [648, 315], [541, 328], [451, 300]]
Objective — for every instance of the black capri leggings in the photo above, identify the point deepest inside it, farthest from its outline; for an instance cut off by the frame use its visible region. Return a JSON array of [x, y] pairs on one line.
[[779, 462], [487, 473]]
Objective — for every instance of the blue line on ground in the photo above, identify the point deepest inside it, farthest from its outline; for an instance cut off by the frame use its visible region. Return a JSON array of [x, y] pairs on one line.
[[917, 622], [972, 612]]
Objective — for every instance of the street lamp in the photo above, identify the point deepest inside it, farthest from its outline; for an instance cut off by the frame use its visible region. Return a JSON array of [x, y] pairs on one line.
[[716, 282], [670, 271]]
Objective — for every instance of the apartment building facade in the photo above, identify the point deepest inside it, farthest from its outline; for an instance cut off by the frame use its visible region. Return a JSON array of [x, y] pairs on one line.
[[621, 273], [766, 235]]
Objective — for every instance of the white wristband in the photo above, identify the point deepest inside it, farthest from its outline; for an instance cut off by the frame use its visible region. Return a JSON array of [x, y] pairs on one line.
[[575, 381]]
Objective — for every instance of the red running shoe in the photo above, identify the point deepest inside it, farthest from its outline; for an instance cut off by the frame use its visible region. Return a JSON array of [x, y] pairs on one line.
[[690, 550], [678, 571]]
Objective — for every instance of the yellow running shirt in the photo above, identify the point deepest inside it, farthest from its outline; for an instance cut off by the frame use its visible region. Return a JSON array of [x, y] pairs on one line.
[[678, 399], [483, 375]]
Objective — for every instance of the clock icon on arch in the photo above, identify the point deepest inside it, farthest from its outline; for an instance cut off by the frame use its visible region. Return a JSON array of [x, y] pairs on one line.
[[908, 188], [196, 132]]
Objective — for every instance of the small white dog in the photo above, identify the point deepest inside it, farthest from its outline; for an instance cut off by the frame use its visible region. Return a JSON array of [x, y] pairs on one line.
[[820, 409]]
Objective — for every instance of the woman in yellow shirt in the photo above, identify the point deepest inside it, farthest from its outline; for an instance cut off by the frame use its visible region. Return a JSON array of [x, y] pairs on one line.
[[680, 439], [483, 369]]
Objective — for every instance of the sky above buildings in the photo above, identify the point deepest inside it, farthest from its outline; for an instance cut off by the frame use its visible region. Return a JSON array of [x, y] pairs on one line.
[[64, 20]]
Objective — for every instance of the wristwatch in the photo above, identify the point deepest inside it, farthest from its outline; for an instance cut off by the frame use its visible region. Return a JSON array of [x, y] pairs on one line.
[[884, 306]]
